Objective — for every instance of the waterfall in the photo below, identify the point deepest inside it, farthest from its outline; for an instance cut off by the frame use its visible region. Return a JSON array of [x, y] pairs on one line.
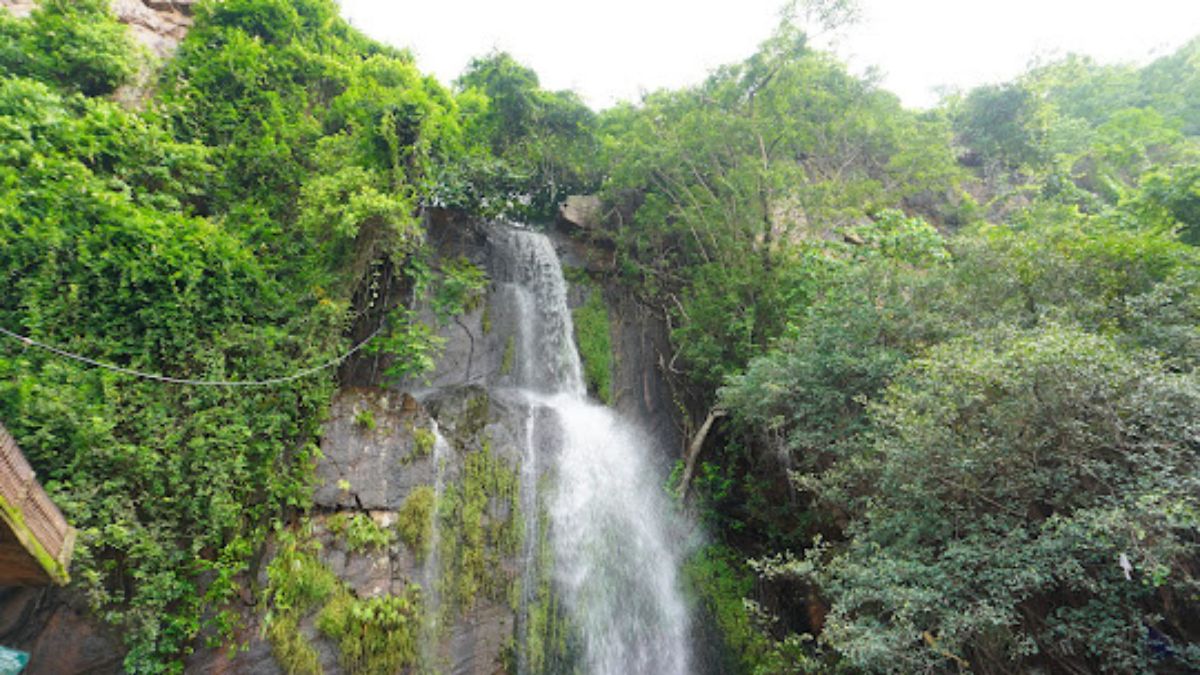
[[526, 263], [616, 549], [432, 563], [529, 506]]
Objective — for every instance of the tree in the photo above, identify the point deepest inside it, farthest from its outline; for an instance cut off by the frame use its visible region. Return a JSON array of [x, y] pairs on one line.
[[76, 44], [725, 190], [544, 139], [1010, 476]]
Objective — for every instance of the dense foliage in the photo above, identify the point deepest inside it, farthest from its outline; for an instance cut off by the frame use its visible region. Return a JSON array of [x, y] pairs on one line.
[[956, 350], [217, 235], [719, 187], [986, 435], [533, 147], [73, 43], [1004, 286]]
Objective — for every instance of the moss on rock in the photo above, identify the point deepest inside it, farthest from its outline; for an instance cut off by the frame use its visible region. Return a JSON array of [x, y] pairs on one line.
[[375, 636], [592, 335], [416, 520], [482, 518]]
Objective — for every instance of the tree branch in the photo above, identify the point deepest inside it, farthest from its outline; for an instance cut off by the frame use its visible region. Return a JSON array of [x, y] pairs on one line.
[[689, 466]]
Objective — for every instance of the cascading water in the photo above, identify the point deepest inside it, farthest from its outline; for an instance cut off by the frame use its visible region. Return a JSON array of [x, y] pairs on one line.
[[616, 552], [432, 564]]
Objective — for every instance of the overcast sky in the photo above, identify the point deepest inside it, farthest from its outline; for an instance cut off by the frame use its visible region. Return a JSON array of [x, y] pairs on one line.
[[611, 50]]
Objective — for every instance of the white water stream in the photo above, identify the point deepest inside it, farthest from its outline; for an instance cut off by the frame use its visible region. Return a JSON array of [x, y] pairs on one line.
[[432, 565], [615, 544]]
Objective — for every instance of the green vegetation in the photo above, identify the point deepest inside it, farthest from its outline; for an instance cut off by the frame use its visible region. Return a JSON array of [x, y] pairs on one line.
[[423, 442], [365, 419], [924, 454], [416, 520], [375, 636], [592, 336], [722, 582], [914, 323], [726, 240], [297, 583], [481, 522], [412, 344], [360, 531], [537, 146], [220, 234], [957, 349], [460, 289], [990, 453], [75, 44], [292, 650]]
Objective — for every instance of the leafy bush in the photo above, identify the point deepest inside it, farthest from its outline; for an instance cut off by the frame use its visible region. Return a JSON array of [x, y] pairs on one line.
[[205, 238], [297, 581], [811, 401], [360, 530], [76, 44], [376, 635], [542, 143], [592, 336], [724, 585], [1011, 478]]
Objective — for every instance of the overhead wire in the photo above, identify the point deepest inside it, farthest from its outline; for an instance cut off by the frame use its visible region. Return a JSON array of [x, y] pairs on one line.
[[156, 377]]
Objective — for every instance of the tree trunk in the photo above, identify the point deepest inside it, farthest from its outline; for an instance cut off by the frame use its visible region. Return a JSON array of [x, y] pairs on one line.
[[689, 466]]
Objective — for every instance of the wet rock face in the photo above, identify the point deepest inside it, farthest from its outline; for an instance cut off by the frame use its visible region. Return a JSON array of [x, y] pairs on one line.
[[641, 352], [371, 457], [53, 626], [158, 26], [482, 347], [252, 658], [477, 642], [19, 8], [375, 446], [381, 449], [641, 347]]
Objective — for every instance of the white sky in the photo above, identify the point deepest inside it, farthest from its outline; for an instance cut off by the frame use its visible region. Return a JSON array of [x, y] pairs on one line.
[[611, 50]]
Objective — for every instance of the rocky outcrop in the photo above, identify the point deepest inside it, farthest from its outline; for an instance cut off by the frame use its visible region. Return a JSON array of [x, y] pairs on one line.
[[158, 26], [19, 8], [382, 451], [55, 628], [371, 458], [585, 212], [641, 356]]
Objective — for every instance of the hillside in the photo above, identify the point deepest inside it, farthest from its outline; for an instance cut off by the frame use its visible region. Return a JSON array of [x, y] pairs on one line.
[[927, 379]]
